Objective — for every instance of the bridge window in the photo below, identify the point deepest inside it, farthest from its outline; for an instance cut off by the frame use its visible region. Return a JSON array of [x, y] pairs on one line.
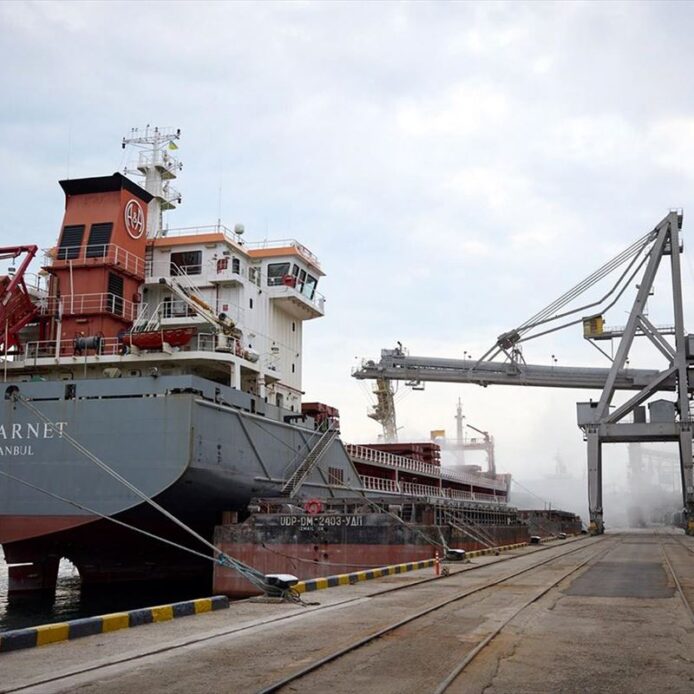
[[275, 273], [99, 238], [309, 289], [70, 242], [186, 263], [236, 266]]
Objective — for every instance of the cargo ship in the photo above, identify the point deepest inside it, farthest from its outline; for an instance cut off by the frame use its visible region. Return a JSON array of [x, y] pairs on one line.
[[173, 358]]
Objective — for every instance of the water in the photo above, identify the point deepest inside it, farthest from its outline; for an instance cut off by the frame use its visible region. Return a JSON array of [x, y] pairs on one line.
[[72, 602]]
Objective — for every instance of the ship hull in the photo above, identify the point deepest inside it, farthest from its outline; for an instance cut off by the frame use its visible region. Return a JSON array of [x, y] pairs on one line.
[[318, 546], [197, 448]]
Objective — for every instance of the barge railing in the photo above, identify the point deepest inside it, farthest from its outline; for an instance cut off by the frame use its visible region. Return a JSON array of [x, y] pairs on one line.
[[364, 454], [380, 484]]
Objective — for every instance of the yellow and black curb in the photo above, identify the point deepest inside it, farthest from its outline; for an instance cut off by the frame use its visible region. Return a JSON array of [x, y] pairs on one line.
[[494, 550], [350, 579], [76, 628], [356, 576]]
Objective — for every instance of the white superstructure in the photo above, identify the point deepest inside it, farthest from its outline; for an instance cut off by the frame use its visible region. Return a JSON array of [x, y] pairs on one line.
[[266, 290], [196, 300]]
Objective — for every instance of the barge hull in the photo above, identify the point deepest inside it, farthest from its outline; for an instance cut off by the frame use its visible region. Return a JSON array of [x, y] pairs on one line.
[[280, 544]]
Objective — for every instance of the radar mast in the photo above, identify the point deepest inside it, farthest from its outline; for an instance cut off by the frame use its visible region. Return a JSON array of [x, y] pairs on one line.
[[158, 167]]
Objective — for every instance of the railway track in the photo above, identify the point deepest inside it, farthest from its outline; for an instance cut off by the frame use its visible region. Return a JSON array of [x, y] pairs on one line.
[[104, 666], [688, 604], [450, 676]]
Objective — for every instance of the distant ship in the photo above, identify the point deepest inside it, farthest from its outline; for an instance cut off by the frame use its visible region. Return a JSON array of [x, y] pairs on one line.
[[174, 357]]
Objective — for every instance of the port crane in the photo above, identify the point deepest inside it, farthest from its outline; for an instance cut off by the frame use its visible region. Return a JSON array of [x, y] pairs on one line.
[[383, 411], [504, 364]]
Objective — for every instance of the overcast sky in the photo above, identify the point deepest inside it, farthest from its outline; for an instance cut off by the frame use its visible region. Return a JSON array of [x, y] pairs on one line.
[[455, 166]]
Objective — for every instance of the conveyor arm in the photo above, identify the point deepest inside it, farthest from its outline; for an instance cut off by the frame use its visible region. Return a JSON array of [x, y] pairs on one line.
[[397, 366]]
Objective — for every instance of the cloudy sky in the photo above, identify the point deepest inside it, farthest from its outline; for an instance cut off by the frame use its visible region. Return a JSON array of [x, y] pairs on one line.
[[455, 166]]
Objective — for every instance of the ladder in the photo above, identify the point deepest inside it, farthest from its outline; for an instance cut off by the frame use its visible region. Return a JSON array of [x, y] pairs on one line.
[[309, 462], [470, 528], [146, 321]]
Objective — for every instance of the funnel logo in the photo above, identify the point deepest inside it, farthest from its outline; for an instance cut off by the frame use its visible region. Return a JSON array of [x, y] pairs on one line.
[[134, 219]]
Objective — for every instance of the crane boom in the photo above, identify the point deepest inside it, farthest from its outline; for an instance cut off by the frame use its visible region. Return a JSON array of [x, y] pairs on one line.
[[600, 421], [397, 366]]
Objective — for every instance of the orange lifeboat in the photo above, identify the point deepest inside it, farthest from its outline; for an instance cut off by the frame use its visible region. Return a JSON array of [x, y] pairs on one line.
[[155, 339]]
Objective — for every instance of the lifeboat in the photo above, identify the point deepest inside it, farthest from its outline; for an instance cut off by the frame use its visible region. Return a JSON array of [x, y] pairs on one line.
[[155, 339]]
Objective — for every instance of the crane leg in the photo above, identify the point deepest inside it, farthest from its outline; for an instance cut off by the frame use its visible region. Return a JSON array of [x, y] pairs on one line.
[[594, 447], [685, 444]]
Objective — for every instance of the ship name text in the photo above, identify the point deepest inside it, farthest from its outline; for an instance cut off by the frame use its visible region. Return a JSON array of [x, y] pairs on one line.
[[27, 432], [310, 522]]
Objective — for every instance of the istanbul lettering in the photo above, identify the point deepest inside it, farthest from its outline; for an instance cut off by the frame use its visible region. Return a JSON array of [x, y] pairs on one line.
[[26, 432]]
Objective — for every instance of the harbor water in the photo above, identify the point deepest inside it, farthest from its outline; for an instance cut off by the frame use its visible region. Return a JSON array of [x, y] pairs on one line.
[[72, 602]]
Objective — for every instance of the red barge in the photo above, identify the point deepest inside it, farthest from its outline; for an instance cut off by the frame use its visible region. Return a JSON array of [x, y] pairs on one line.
[[410, 508]]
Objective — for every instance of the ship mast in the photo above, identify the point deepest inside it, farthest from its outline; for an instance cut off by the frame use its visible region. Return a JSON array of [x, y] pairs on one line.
[[158, 167], [459, 419]]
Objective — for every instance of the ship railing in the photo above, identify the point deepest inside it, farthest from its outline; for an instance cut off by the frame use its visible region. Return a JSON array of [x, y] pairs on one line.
[[36, 284], [417, 489], [95, 254], [42, 349], [472, 479], [162, 160], [380, 484], [280, 291], [83, 304], [372, 455], [286, 243], [228, 233], [489, 498], [197, 276], [215, 342], [365, 454], [450, 493]]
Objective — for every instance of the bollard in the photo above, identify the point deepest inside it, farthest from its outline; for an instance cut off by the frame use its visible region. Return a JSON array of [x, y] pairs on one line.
[[437, 563]]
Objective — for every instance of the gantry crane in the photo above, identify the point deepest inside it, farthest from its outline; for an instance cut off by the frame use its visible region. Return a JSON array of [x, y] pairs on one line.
[[600, 424]]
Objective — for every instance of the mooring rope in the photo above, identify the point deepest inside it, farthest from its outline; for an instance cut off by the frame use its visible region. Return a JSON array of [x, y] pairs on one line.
[[248, 572]]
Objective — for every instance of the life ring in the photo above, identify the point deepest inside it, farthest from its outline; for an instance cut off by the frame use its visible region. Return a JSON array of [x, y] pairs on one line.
[[289, 281], [313, 506]]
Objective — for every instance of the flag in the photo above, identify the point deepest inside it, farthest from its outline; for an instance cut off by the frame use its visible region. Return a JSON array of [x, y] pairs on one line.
[[173, 145]]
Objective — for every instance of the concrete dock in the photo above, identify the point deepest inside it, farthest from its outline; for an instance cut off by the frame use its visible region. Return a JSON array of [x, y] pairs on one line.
[[604, 614]]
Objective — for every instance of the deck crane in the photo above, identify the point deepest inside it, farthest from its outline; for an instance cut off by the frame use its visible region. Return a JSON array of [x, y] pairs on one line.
[[504, 364], [16, 306], [460, 444], [486, 445]]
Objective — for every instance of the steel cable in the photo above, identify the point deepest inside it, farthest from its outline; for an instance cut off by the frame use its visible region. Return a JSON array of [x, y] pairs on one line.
[[249, 573]]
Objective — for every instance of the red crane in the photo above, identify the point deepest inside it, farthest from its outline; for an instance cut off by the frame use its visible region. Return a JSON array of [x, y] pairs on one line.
[[16, 307]]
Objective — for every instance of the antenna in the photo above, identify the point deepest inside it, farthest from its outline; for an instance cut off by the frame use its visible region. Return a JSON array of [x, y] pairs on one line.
[[158, 167]]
